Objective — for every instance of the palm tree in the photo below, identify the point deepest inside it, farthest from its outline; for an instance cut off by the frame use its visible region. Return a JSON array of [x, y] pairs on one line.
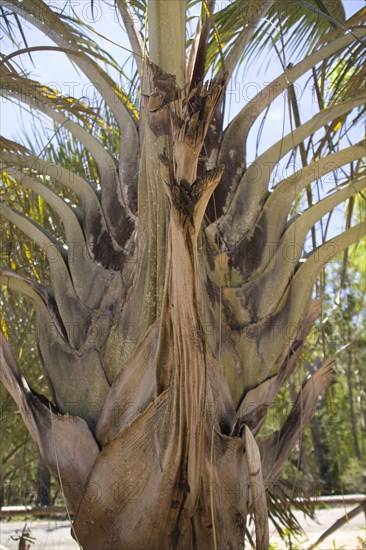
[[167, 329]]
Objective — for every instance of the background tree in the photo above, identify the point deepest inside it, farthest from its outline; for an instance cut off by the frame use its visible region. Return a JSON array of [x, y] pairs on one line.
[[330, 458], [177, 304], [21, 466]]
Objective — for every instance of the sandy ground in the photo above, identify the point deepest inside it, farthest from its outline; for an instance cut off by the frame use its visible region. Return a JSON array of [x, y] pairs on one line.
[[55, 534], [348, 537]]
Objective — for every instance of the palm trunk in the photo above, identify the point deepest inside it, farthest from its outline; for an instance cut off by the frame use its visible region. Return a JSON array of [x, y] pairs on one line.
[[182, 496]]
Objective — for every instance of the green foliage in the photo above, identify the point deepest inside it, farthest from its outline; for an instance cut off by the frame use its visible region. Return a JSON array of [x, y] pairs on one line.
[[336, 436], [354, 475], [25, 539]]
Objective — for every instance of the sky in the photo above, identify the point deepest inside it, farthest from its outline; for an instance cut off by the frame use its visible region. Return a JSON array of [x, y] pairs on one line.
[[55, 70]]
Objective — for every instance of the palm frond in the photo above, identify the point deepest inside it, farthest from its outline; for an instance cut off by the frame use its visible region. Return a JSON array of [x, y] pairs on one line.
[[297, 24], [82, 51]]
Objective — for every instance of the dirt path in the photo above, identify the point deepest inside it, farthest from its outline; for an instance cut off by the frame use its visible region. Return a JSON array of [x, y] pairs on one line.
[[348, 537]]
